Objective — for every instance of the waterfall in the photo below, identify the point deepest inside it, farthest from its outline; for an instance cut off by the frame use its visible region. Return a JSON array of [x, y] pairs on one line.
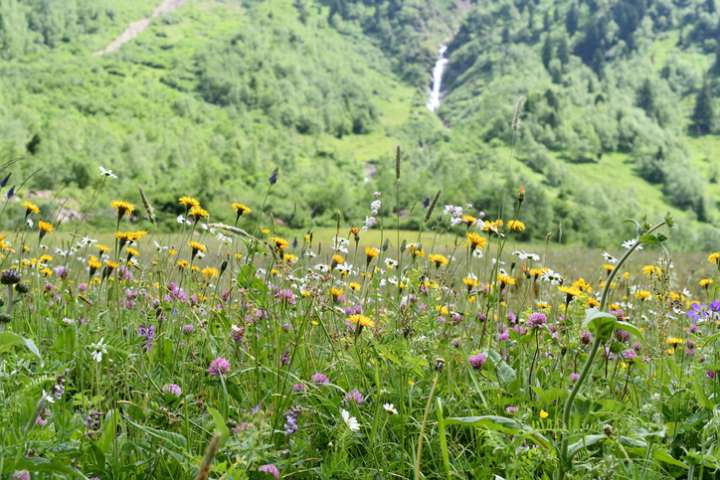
[[437, 74]]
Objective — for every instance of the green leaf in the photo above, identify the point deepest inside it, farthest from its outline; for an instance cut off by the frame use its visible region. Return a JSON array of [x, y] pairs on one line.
[[501, 424], [108, 432], [662, 455], [8, 340], [505, 373], [599, 323], [630, 328], [586, 441], [219, 421]]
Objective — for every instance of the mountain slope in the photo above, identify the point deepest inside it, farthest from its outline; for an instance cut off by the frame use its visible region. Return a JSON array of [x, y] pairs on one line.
[[210, 98]]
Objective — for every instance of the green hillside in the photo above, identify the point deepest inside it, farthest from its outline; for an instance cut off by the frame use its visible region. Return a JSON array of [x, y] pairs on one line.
[[617, 116]]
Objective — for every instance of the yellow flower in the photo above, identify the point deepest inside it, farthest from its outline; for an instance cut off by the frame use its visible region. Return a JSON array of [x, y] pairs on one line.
[[714, 258], [415, 250], [674, 341], [45, 258], [582, 285], [370, 253], [643, 295], [182, 264], [197, 212], [111, 265], [132, 252], [336, 293], [354, 286], [470, 282], [442, 309], [210, 272], [650, 270], [493, 226], [438, 259], [279, 243], [102, 248], [337, 260], [705, 282], [123, 208], [189, 202], [290, 258], [197, 247], [544, 414], [505, 280], [516, 226], [93, 264], [30, 208], [46, 272], [45, 228], [476, 241], [468, 220], [570, 293], [608, 267], [535, 273], [592, 302], [241, 209], [361, 320]]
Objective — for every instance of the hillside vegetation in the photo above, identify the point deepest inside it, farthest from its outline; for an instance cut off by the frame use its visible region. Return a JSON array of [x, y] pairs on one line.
[[615, 106]]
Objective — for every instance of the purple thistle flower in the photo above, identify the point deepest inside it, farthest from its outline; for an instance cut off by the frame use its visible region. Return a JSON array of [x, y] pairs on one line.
[[188, 329], [511, 409], [629, 355], [172, 389], [298, 387], [477, 361], [711, 374], [291, 418], [21, 475], [286, 295], [586, 338], [61, 272], [354, 396], [574, 377], [219, 366], [270, 469], [504, 335], [320, 378], [537, 319]]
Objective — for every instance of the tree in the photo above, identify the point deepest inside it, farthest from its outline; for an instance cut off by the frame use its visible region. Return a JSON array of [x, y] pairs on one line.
[[703, 117], [563, 51], [547, 51], [645, 98], [572, 18]]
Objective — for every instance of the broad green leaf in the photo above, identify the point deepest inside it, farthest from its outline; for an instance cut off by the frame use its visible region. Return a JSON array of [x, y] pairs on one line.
[[505, 373], [9, 340], [501, 424], [630, 328], [600, 323], [219, 421], [586, 441], [662, 455]]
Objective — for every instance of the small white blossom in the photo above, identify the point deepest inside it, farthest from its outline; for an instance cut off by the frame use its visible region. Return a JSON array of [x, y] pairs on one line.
[[107, 173], [350, 421], [390, 408]]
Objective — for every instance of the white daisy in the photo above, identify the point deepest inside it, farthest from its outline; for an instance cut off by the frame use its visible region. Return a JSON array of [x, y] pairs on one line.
[[351, 422], [390, 408]]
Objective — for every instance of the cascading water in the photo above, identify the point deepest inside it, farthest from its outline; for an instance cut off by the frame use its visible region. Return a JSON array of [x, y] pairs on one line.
[[437, 74]]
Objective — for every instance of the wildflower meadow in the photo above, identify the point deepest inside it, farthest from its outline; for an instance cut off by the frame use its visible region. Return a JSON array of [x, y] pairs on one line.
[[246, 350]]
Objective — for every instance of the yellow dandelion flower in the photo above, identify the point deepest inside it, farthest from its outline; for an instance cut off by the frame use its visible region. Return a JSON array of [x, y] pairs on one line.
[[361, 320], [475, 240], [543, 414], [241, 209], [280, 244], [189, 202], [705, 282], [516, 226], [123, 208], [210, 272], [30, 208], [438, 259], [370, 253], [643, 295], [197, 212], [714, 258]]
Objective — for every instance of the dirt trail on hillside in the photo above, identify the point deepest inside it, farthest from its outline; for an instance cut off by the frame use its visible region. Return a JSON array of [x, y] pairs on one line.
[[136, 28]]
